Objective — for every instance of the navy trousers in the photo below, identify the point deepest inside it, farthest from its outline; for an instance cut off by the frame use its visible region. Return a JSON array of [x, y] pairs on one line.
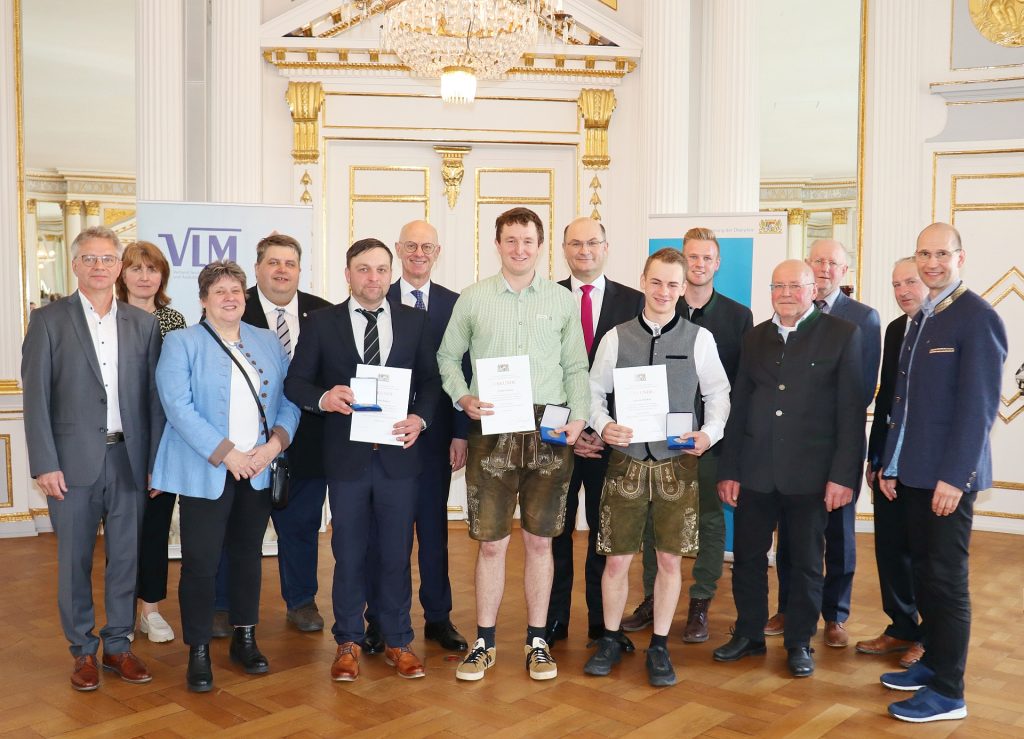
[[298, 537]]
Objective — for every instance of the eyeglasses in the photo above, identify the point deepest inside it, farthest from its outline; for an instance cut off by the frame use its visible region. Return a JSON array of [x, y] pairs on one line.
[[940, 256], [592, 244], [410, 247], [792, 287], [819, 262], [107, 260]]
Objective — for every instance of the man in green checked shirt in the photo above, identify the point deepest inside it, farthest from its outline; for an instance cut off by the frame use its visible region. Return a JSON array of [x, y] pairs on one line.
[[517, 312]]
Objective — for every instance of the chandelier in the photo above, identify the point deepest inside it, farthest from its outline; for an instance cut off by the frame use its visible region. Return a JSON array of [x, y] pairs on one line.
[[462, 41]]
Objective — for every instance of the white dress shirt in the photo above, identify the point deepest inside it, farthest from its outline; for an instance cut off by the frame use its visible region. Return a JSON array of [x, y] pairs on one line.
[[408, 298], [785, 331], [291, 315], [103, 331], [711, 378], [596, 295], [385, 334]]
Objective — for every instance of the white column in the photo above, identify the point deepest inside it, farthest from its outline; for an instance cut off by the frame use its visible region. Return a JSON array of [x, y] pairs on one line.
[[159, 100], [797, 222], [730, 145], [92, 213], [72, 222], [893, 155], [12, 305], [665, 106], [235, 109]]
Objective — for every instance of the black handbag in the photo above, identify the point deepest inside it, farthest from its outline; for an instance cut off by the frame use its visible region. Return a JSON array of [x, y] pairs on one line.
[[279, 472]]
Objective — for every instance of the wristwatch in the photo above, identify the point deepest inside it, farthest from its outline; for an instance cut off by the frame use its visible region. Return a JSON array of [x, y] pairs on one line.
[[423, 424]]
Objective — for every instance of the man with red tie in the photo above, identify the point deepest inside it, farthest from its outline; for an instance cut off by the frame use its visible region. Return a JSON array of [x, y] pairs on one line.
[[603, 304]]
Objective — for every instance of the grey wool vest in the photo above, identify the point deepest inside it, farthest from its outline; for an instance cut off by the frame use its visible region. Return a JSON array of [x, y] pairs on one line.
[[673, 348]]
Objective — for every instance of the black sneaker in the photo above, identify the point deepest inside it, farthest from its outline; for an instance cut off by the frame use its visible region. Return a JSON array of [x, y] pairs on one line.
[[659, 668], [608, 654]]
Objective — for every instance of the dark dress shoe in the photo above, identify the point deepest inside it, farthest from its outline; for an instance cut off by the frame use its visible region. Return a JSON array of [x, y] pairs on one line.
[[800, 661], [557, 631], [373, 641], [199, 675], [221, 625], [445, 634], [245, 652], [696, 630], [608, 654], [306, 617], [737, 648]]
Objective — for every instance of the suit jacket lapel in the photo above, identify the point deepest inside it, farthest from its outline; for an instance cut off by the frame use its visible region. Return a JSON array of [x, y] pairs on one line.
[[74, 307]]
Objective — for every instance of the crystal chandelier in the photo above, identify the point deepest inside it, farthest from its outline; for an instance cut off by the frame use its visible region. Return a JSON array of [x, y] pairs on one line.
[[462, 41]]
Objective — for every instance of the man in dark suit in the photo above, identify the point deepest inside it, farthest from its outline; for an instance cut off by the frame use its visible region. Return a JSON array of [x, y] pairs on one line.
[[603, 303], [727, 321], [93, 422], [937, 457], [442, 447], [368, 482], [828, 260], [892, 547], [275, 302], [793, 446]]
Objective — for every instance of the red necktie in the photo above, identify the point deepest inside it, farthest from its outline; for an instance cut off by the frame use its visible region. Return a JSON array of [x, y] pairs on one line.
[[587, 316]]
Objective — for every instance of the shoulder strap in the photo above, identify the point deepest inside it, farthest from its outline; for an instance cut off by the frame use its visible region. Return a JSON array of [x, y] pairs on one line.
[[255, 396]]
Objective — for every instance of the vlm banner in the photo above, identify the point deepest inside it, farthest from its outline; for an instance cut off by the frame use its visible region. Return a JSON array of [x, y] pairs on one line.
[[191, 235]]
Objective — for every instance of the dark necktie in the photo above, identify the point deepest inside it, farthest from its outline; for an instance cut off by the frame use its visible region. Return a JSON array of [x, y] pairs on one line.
[[420, 305], [371, 340], [821, 305]]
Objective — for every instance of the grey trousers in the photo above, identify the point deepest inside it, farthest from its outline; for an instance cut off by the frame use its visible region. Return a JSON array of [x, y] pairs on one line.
[[114, 500]]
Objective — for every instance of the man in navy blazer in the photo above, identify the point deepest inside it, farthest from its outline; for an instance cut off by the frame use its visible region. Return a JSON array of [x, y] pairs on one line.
[[443, 446], [585, 244], [937, 457], [368, 483], [828, 260]]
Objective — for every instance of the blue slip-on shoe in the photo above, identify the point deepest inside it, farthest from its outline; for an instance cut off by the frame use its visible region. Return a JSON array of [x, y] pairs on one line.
[[927, 705], [913, 678]]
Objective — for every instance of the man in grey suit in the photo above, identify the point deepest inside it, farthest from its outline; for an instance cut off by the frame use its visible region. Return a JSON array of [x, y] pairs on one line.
[[829, 263], [93, 422]]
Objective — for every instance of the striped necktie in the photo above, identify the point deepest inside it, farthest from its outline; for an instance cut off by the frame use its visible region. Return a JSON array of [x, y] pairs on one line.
[[371, 340], [283, 334], [420, 305]]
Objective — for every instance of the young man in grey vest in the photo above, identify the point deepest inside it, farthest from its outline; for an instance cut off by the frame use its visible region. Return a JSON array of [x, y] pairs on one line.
[[651, 477]]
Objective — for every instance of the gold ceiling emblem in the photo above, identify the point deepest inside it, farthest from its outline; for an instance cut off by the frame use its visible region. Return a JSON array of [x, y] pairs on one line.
[[1000, 21], [452, 170]]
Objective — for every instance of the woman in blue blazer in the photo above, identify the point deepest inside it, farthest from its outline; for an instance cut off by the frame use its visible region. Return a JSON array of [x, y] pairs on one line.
[[215, 454]]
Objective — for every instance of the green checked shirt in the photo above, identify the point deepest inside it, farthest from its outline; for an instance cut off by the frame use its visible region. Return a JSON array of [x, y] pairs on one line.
[[542, 321]]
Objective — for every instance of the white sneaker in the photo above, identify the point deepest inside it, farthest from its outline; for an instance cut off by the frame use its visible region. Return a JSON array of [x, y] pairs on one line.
[[157, 628]]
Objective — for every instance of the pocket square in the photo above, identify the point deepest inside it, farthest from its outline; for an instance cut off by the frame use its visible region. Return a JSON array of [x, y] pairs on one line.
[[942, 350]]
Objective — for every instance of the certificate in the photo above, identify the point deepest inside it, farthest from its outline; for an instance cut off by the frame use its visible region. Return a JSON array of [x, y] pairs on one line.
[[393, 385], [641, 401], [505, 382]]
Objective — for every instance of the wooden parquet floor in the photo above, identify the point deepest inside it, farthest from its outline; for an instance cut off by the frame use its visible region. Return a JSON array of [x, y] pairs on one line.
[[754, 697]]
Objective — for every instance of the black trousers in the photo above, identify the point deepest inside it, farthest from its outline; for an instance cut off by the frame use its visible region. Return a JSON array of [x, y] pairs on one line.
[[588, 474], [156, 525], [236, 521], [938, 550], [757, 515], [895, 573]]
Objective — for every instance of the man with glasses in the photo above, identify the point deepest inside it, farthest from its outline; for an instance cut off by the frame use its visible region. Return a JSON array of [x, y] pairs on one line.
[[93, 421], [517, 313], [936, 458], [827, 259], [603, 303], [442, 448], [793, 446]]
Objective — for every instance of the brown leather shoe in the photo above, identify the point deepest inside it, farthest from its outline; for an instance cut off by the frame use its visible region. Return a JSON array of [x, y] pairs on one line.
[[913, 655], [346, 662], [128, 666], [835, 634], [776, 625], [86, 675], [884, 644], [696, 630], [642, 616], [405, 661]]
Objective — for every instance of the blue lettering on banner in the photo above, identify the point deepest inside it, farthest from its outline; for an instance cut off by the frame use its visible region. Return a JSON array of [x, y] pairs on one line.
[[221, 243]]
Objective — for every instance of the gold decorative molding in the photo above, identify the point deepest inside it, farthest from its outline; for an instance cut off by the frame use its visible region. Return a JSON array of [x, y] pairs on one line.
[[73, 208], [613, 4], [354, 197], [10, 387], [796, 216], [5, 440], [114, 215], [305, 181], [305, 100], [596, 107], [92, 208], [14, 517], [30, 206], [595, 199], [999, 21], [840, 216], [452, 170]]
